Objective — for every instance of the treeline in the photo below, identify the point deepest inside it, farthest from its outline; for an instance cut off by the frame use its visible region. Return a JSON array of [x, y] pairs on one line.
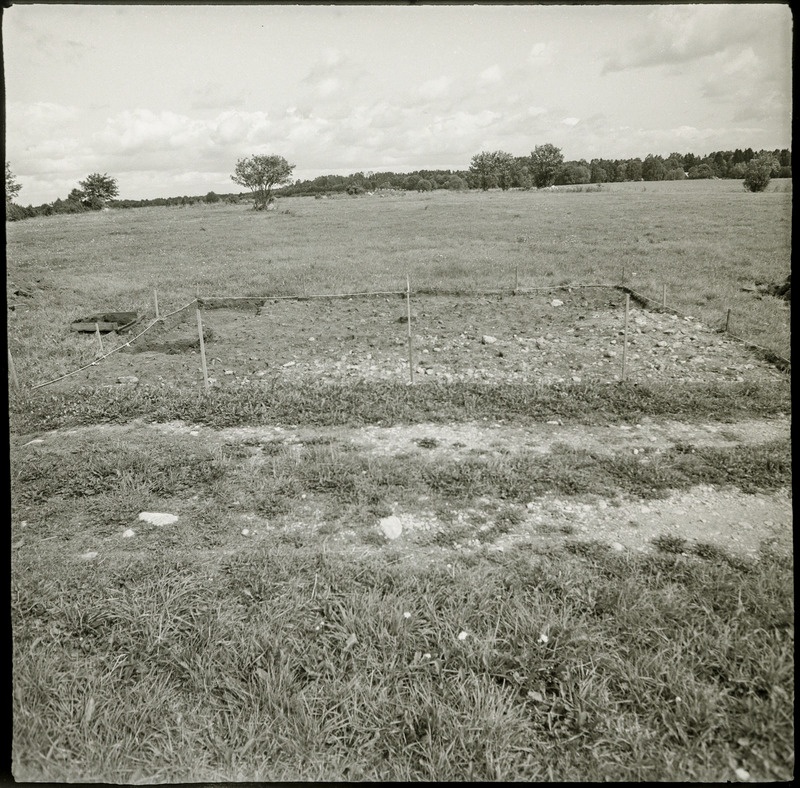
[[74, 205], [545, 166], [359, 182], [502, 170]]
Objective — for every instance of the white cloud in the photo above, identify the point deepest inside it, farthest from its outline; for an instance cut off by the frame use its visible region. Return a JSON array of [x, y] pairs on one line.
[[490, 76], [435, 88]]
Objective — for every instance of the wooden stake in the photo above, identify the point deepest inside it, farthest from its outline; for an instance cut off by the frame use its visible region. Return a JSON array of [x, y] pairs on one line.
[[99, 338], [12, 370], [664, 296], [625, 335], [155, 298], [202, 347], [516, 278], [408, 309], [727, 320], [623, 274]]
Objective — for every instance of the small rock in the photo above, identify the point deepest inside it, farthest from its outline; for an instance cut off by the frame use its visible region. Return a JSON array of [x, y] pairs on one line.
[[128, 533], [245, 532], [129, 379], [576, 378], [391, 526], [90, 556], [610, 353], [486, 339], [618, 546], [556, 302], [158, 518], [289, 364]]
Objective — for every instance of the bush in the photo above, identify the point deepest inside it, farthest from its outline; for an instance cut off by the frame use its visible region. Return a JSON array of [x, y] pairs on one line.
[[700, 171], [212, 197], [15, 213], [759, 173]]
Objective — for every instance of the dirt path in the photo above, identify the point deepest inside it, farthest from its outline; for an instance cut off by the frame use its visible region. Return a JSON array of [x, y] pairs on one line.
[[727, 518]]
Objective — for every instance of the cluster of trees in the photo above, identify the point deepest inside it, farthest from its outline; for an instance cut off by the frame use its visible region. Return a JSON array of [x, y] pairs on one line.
[[94, 192], [546, 167]]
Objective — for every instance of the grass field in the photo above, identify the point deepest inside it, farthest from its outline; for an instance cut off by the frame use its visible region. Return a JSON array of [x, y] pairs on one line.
[[524, 625]]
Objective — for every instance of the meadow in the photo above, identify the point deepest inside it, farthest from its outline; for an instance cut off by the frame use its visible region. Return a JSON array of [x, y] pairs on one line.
[[279, 630]]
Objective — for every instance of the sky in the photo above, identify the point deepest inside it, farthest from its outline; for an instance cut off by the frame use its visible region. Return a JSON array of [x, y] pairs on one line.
[[167, 98]]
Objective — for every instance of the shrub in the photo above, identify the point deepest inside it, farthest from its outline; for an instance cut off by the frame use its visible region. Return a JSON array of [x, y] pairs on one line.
[[759, 172]]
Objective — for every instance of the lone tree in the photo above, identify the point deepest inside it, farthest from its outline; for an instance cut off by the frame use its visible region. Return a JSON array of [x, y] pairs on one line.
[[12, 187], [759, 172], [260, 174], [546, 160], [97, 189]]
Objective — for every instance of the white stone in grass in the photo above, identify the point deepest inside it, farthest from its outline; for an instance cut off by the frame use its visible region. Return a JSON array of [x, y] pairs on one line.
[[245, 532], [556, 302], [158, 518], [89, 556], [742, 774], [391, 527], [128, 533], [488, 340]]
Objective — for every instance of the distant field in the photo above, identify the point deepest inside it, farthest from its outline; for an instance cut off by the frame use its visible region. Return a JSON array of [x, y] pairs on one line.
[[703, 240]]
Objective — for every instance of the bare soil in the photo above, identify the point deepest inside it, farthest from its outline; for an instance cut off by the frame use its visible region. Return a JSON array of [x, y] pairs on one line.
[[559, 336]]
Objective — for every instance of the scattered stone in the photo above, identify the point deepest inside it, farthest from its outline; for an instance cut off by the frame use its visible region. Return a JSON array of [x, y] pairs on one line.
[[391, 526], [486, 339], [556, 302], [576, 378], [90, 556], [130, 380], [35, 440], [158, 518], [617, 546], [245, 532], [610, 353], [289, 364], [128, 533]]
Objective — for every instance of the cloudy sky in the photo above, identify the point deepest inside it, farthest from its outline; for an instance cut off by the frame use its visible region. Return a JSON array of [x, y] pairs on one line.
[[167, 98]]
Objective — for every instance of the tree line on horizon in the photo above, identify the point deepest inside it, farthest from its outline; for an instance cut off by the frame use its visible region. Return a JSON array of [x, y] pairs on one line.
[[544, 167]]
